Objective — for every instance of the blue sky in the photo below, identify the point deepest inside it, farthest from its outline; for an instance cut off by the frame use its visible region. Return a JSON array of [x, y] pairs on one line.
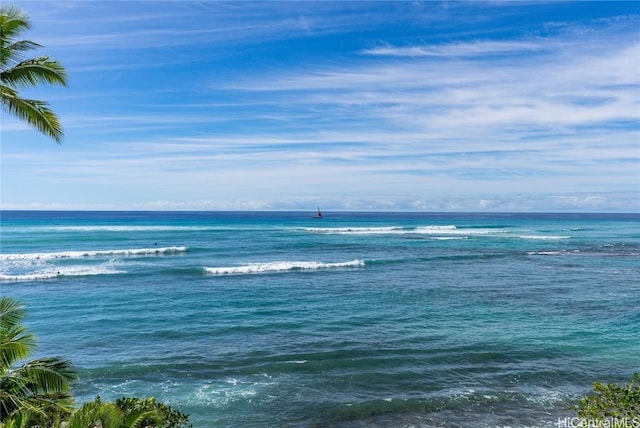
[[420, 106]]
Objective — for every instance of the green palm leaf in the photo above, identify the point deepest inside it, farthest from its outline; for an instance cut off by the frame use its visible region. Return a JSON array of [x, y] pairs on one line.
[[16, 72], [13, 22], [15, 342], [35, 113], [33, 72], [11, 312], [94, 414], [39, 388], [48, 374], [14, 51], [18, 420]]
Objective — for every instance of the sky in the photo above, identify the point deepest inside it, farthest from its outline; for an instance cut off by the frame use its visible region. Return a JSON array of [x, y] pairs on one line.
[[482, 106]]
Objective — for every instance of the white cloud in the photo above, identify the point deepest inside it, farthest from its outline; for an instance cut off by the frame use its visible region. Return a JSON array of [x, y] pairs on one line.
[[356, 128], [457, 49]]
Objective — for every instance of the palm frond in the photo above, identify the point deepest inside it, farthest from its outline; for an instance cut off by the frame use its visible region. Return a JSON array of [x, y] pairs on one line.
[[15, 342], [14, 397], [40, 387], [146, 419], [15, 349], [35, 113], [13, 21], [23, 45], [96, 413], [17, 420], [48, 374], [17, 72], [14, 52], [50, 407], [33, 72], [12, 312]]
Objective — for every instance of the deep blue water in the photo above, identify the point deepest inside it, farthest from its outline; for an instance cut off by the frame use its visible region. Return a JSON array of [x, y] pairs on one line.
[[258, 319]]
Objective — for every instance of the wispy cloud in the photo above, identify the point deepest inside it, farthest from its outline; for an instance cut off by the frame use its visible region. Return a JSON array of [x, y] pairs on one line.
[[360, 105], [457, 49]]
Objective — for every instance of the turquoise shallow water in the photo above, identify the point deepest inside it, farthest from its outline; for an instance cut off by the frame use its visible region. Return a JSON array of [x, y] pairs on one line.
[[258, 319]]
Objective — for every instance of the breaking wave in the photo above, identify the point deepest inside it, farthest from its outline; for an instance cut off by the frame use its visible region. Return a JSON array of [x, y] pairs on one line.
[[59, 273], [93, 253], [281, 266], [398, 230], [108, 228], [543, 237]]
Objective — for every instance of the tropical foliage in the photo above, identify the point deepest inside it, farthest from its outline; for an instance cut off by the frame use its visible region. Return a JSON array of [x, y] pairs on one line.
[[95, 414], [38, 393], [17, 72], [38, 390], [126, 413], [147, 412], [610, 400]]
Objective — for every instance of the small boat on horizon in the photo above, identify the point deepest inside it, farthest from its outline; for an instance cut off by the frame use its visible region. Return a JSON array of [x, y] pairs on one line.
[[318, 214]]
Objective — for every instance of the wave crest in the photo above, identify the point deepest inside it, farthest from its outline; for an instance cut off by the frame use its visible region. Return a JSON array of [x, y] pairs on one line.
[[59, 273], [93, 253], [281, 266], [383, 230]]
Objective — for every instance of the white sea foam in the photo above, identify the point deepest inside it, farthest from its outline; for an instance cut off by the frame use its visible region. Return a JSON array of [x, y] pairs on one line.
[[357, 230], [108, 228], [28, 277], [449, 231], [448, 228], [435, 230], [281, 266], [66, 271], [552, 253], [221, 394], [93, 253], [543, 237]]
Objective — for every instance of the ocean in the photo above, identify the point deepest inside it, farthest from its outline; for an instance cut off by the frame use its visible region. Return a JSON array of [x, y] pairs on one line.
[[277, 319]]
